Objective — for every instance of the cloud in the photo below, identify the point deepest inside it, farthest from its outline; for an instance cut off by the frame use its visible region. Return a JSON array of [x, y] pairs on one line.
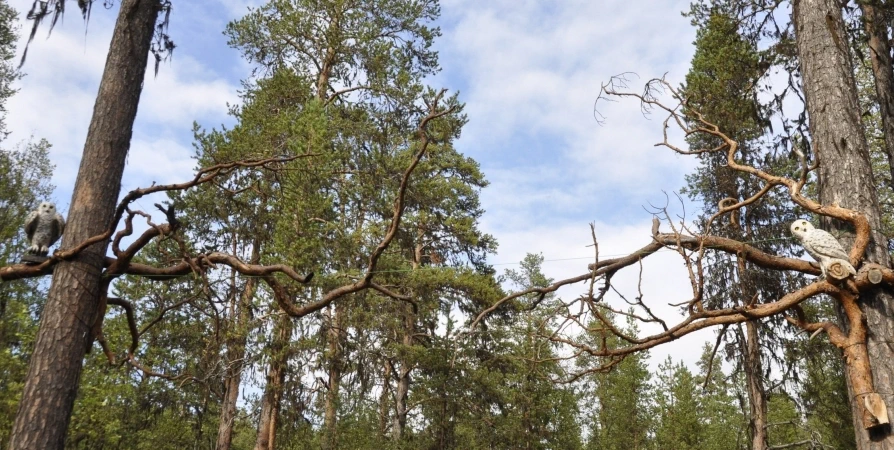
[[55, 99], [185, 91], [530, 73], [162, 160], [238, 8], [564, 247], [56, 96]]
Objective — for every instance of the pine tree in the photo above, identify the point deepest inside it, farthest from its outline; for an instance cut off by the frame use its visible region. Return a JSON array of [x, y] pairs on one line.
[[723, 425], [677, 409], [622, 418], [722, 85], [833, 109], [498, 388]]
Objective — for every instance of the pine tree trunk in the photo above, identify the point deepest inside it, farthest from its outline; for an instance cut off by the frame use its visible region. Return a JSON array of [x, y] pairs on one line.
[[384, 403], [447, 424], [73, 301], [752, 366], [400, 403], [330, 418], [845, 177], [276, 375], [880, 55], [757, 395], [403, 379], [228, 412], [236, 340], [402, 391]]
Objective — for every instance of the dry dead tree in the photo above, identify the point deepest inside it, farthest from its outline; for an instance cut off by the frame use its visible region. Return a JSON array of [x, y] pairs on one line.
[[585, 323], [191, 262]]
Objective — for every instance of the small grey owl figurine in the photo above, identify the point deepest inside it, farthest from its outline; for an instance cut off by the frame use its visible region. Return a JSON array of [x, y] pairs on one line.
[[43, 228], [824, 248]]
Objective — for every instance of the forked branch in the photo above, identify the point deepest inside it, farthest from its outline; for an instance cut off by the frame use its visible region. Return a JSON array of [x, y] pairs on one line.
[[583, 330]]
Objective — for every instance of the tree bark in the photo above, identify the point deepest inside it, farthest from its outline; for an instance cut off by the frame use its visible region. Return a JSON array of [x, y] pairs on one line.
[[403, 379], [236, 340], [270, 403], [757, 395], [402, 391], [52, 382], [880, 55], [845, 177], [752, 366], [384, 402], [334, 335]]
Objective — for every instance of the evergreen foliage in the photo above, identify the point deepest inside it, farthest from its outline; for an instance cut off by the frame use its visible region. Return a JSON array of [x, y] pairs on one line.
[[341, 86], [622, 409]]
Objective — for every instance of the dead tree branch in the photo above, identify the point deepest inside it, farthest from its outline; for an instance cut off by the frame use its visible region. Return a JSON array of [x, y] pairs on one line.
[[583, 331]]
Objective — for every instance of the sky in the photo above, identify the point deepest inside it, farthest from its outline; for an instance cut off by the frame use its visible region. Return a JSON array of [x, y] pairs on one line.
[[528, 71]]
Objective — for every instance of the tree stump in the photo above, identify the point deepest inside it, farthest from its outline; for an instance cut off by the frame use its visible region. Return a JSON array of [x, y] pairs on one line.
[[875, 413], [837, 271]]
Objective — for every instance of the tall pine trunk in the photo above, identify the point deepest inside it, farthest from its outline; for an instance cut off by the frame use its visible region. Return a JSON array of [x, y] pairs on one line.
[[757, 395], [73, 301], [845, 177], [385, 399], [335, 344], [752, 365], [402, 391], [237, 336], [403, 378], [276, 374]]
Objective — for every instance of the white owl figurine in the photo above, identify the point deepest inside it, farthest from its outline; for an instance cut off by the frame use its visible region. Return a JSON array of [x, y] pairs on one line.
[[43, 228], [823, 247]]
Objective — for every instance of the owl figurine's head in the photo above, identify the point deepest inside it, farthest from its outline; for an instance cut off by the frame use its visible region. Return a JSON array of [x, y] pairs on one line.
[[800, 227], [46, 207]]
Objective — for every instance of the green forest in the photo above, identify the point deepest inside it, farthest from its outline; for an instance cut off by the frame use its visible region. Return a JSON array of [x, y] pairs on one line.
[[324, 281]]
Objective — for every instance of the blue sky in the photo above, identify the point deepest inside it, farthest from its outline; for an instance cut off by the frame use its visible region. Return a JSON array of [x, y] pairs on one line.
[[529, 72]]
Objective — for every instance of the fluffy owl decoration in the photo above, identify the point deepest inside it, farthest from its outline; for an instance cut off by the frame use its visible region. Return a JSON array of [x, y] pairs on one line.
[[43, 228], [824, 248]]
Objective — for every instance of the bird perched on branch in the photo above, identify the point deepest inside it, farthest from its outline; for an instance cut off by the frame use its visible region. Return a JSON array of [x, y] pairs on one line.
[[43, 228], [824, 248]]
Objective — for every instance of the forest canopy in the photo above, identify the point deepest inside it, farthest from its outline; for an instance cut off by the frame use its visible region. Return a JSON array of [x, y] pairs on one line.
[[327, 272]]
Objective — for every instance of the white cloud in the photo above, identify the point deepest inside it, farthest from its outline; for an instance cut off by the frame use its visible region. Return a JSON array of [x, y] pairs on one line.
[[530, 73], [184, 91], [162, 161], [238, 8], [564, 247], [56, 98]]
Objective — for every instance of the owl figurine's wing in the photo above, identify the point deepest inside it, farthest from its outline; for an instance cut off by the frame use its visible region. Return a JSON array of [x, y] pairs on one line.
[[823, 243], [58, 226], [31, 224]]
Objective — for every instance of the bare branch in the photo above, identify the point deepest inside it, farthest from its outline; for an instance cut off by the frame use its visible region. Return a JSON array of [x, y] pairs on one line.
[[131, 322]]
